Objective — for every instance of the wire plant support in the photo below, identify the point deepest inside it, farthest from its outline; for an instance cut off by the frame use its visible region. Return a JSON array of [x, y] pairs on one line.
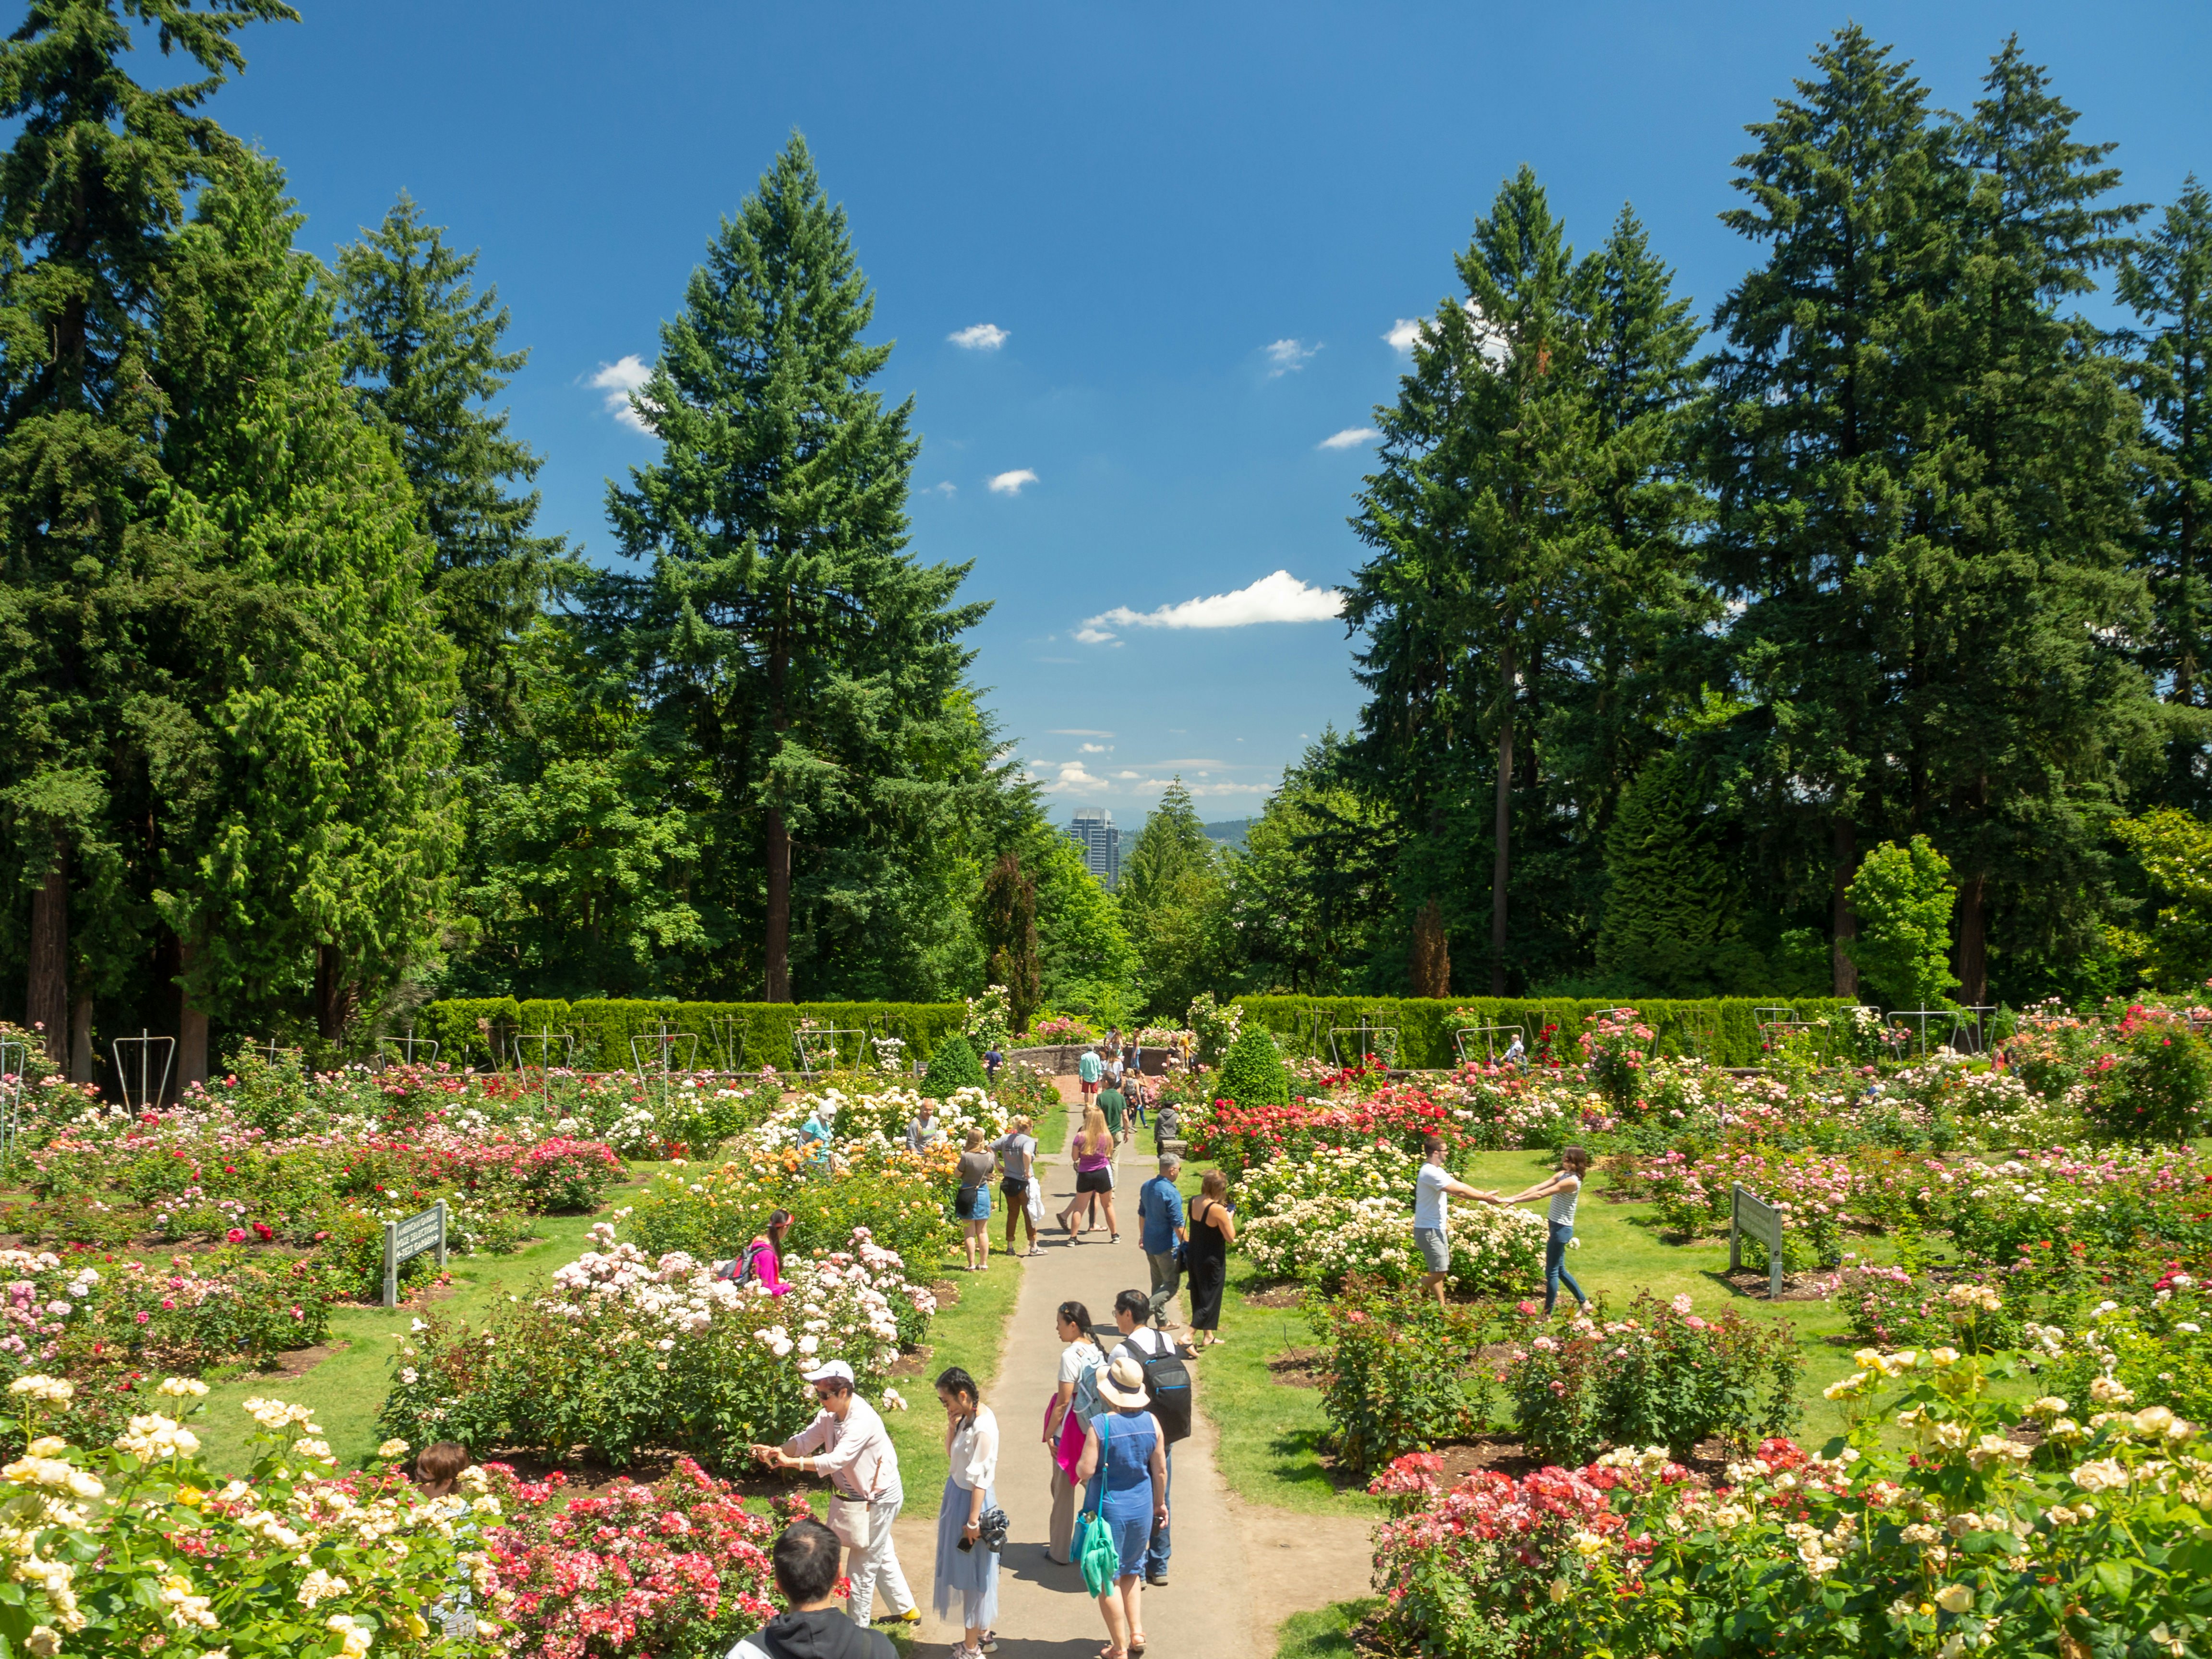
[[15, 1061], [411, 1050], [141, 1048], [1915, 1022], [1490, 1036], [729, 1034], [1375, 1042], [816, 1044], [543, 1040], [272, 1053]]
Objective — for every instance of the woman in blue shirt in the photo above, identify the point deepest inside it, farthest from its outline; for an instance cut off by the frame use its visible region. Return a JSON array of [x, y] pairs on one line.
[[1125, 1449]]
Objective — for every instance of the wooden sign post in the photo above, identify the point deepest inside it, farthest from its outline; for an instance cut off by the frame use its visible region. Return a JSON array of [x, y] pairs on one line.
[[1748, 1212]]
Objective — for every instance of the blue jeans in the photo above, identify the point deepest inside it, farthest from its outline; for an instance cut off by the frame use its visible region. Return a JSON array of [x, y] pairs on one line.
[[1155, 1555], [1555, 1265]]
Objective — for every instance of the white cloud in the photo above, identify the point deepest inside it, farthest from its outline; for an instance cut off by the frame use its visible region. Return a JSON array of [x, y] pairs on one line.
[[1209, 788], [1289, 354], [1095, 636], [1278, 597], [618, 379], [1009, 483], [1404, 332], [1351, 438], [1490, 341], [1094, 749], [983, 337], [1128, 775], [1072, 777], [944, 487]]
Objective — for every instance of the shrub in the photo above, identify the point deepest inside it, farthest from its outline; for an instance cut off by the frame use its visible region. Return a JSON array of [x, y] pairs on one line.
[[954, 1065], [2154, 1086], [1663, 1377], [1252, 1072], [1404, 1372], [566, 1177], [1325, 1241]]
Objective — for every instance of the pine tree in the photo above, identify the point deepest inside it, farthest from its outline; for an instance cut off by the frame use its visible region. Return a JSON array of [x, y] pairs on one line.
[[784, 630], [1432, 952], [2020, 713], [1474, 517], [423, 348], [91, 192], [1822, 405], [311, 816], [2167, 280], [1672, 905], [1009, 938], [1171, 899]]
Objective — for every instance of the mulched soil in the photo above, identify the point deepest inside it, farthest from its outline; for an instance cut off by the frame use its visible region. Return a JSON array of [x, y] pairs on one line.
[[1276, 1293], [1796, 1287], [298, 1362], [1301, 1368]]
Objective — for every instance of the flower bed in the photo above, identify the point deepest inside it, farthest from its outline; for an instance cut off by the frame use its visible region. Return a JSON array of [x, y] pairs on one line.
[[624, 1350], [1959, 1540]]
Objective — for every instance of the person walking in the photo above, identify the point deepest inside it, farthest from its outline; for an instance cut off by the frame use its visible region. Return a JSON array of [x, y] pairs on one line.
[[803, 1563], [1088, 1068], [1071, 1409], [1432, 1213], [1140, 1341], [972, 1205], [1125, 1452], [1113, 1103], [1017, 1155], [967, 1562], [1562, 1188], [848, 1443], [1160, 1232], [1094, 1176], [993, 1058], [1212, 1230]]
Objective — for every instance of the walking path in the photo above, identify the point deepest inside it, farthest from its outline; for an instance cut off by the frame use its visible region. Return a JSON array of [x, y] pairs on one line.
[[1239, 1570]]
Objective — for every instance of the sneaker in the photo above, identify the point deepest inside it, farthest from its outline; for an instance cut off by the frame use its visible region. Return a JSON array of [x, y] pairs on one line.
[[1157, 1580], [911, 1617]]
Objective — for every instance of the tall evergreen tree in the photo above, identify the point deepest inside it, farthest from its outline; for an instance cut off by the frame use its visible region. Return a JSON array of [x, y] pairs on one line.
[[1307, 884], [1825, 399], [1009, 938], [815, 665], [423, 347], [2167, 280], [1475, 517], [1171, 898], [1673, 906], [318, 821], [92, 190], [2021, 714]]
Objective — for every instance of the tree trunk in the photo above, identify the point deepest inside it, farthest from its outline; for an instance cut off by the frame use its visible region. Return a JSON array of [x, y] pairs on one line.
[[1974, 945], [81, 1042], [334, 997], [45, 1003], [1431, 952], [1502, 865], [778, 908], [192, 1024], [1846, 924]]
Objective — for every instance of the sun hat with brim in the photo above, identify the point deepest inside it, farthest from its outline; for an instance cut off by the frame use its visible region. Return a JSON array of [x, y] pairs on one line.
[[1121, 1383]]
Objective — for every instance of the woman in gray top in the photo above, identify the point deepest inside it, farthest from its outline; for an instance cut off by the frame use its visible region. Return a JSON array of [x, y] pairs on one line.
[[973, 1205]]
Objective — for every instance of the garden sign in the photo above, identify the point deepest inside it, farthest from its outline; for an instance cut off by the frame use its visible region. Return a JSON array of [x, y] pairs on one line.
[[406, 1240], [1748, 1212]]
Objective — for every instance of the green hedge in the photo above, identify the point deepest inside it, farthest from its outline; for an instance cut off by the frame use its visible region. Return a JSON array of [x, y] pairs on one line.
[[1425, 1026], [738, 1034]]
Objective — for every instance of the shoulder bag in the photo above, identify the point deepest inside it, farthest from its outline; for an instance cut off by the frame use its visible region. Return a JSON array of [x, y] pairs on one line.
[[1096, 1551]]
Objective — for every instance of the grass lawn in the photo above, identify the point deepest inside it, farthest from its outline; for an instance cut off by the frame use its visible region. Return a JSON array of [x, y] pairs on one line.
[[1324, 1633], [970, 1334]]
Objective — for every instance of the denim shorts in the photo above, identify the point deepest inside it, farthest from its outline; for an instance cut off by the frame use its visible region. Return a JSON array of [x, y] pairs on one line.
[[1436, 1248]]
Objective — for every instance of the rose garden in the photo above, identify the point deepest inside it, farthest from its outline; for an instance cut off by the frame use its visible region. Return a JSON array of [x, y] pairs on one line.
[[1971, 1417]]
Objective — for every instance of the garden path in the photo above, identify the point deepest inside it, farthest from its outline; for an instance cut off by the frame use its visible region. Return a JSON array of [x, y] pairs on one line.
[[1239, 1570]]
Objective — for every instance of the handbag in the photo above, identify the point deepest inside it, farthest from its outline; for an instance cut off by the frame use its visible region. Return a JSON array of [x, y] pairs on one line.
[[1095, 1553], [850, 1518], [1035, 1201]]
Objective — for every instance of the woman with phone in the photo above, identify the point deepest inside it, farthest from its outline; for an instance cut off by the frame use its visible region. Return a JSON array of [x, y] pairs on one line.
[[967, 1562]]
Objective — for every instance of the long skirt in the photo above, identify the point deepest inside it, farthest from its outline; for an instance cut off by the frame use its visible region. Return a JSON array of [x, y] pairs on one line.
[[968, 1576]]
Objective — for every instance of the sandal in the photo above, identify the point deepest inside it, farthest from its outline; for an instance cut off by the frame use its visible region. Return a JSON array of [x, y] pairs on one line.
[[1137, 1645]]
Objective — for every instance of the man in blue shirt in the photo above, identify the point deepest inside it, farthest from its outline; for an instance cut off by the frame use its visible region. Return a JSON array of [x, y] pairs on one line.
[[1159, 1206]]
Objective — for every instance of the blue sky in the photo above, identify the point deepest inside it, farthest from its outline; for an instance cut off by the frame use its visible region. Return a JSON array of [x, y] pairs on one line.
[[1174, 241]]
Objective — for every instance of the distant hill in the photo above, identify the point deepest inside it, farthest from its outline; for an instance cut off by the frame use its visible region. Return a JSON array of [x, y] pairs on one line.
[[1231, 831]]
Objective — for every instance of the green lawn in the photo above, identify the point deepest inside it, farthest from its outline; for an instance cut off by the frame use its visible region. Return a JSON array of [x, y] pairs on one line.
[[1325, 1633], [970, 1334]]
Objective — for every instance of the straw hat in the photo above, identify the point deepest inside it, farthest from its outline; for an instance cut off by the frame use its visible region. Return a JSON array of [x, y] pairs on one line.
[[1121, 1383]]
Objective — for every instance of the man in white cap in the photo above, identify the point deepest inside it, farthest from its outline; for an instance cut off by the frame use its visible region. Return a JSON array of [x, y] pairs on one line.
[[848, 1443]]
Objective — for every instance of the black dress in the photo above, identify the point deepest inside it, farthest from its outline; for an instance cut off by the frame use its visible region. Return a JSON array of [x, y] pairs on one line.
[[1209, 1269]]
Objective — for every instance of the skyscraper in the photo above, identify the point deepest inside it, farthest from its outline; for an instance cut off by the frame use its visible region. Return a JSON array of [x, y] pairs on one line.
[[1094, 832]]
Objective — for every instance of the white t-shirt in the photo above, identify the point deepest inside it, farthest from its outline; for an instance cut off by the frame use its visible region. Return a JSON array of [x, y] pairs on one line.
[[1079, 1362], [1431, 1209], [1563, 1202]]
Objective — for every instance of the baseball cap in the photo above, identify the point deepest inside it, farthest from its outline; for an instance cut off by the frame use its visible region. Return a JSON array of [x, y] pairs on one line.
[[836, 1371]]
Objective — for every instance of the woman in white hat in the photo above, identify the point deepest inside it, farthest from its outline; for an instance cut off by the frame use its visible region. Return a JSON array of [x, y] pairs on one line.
[[1126, 1450]]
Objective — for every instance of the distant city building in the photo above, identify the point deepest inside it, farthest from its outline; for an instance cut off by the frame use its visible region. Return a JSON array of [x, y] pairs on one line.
[[1094, 832]]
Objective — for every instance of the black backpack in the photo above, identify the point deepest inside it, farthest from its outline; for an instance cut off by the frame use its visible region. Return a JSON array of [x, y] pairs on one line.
[[1167, 1379]]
